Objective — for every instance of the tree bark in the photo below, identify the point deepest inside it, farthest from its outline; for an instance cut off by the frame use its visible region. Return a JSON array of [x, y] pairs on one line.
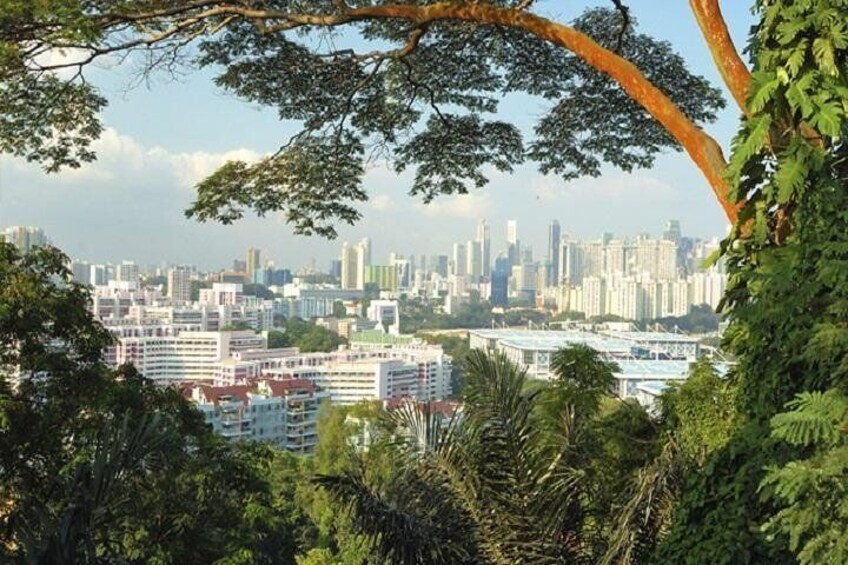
[[733, 70]]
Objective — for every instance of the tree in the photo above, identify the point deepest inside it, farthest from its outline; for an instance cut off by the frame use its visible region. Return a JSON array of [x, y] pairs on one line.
[[514, 478], [446, 66], [339, 309], [259, 290], [102, 465], [812, 489], [278, 339]]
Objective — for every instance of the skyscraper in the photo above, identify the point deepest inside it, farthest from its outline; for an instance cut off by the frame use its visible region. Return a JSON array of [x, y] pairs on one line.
[[500, 282], [355, 260], [513, 246], [127, 271], [24, 238], [485, 242], [363, 261], [474, 260], [252, 262], [672, 231], [553, 252], [348, 259], [179, 284], [459, 260]]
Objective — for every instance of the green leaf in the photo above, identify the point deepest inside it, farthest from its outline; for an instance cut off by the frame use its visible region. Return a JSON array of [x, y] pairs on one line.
[[763, 87]]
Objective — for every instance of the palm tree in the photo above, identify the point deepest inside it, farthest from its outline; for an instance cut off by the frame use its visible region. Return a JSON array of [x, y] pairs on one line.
[[96, 488], [487, 486]]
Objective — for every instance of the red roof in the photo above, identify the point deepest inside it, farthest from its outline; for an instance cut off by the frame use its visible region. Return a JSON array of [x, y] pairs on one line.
[[281, 387], [214, 394]]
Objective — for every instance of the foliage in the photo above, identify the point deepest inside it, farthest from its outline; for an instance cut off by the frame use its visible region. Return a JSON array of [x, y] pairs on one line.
[[306, 336], [700, 320], [258, 290], [789, 158], [523, 474], [786, 300], [423, 92], [277, 339], [811, 490], [703, 411], [339, 310], [719, 513], [196, 286], [101, 465]]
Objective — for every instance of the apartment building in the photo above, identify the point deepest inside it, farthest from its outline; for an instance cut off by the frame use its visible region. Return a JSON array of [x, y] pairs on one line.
[[282, 413]]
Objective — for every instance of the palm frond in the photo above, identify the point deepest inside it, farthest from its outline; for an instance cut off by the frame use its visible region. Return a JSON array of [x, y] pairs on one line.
[[647, 514]]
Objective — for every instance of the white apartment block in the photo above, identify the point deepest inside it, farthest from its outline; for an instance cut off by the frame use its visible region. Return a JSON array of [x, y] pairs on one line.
[[186, 356], [283, 413]]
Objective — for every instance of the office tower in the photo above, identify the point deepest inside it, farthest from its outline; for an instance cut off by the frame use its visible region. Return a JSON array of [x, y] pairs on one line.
[[252, 263], [553, 252], [25, 238], [404, 272], [439, 265], [278, 277], [336, 268], [474, 261], [363, 261], [239, 266], [672, 231], [524, 276], [127, 271], [81, 271], [459, 259], [484, 240], [500, 282], [365, 245], [349, 270], [98, 275], [513, 246], [179, 284], [570, 261]]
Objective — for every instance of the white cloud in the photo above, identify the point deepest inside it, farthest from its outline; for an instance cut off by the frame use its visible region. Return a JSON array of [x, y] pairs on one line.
[[462, 206], [120, 156], [190, 168], [382, 203]]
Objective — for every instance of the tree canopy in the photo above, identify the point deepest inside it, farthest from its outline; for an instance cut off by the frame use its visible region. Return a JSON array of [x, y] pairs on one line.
[[418, 86]]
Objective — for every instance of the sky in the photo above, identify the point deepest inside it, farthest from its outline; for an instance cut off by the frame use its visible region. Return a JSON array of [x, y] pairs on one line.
[[164, 136]]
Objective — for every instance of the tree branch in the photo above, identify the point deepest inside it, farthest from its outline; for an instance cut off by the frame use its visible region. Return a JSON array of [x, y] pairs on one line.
[[733, 70], [703, 149]]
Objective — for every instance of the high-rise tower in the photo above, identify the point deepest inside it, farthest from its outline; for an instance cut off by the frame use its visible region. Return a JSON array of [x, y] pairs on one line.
[[513, 246], [252, 263], [553, 252], [485, 243]]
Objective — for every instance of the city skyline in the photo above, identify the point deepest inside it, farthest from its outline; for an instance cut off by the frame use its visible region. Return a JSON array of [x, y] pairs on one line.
[[379, 251]]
